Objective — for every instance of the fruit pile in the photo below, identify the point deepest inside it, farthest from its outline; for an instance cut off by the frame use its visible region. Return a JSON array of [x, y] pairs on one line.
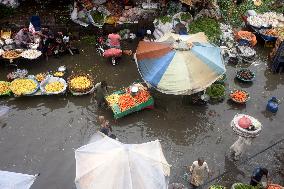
[[80, 83], [40, 77], [239, 96], [53, 87], [112, 99], [23, 86], [245, 75], [58, 74], [4, 88], [142, 96], [125, 102]]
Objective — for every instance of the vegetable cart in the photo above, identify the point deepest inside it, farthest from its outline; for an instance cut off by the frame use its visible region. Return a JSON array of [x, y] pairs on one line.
[[126, 101]]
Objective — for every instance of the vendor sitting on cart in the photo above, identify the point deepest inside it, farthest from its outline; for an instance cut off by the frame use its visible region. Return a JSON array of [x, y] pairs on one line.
[[101, 90], [23, 38]]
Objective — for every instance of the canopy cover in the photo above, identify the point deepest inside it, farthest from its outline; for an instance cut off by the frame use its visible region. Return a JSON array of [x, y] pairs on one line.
[[10, 180], [172, 69], [107, 163]]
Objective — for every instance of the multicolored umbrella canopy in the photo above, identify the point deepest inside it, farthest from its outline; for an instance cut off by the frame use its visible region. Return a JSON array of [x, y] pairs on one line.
[[173, 68]]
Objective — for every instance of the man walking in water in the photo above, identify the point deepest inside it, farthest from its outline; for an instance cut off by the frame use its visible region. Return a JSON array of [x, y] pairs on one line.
[[199, 171]]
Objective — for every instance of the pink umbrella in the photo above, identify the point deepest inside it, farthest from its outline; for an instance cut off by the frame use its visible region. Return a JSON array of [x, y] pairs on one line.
[[113, 52]]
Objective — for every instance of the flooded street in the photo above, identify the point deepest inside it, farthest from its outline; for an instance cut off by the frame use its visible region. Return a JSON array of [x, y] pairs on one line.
[[42, 132]]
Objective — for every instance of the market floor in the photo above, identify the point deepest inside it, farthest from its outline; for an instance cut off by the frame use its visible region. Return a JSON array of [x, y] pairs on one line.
[[41, 133]]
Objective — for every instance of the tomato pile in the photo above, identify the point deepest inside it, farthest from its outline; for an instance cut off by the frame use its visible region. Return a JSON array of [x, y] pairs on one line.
[[125, 102], [239, 96], [142, 96]]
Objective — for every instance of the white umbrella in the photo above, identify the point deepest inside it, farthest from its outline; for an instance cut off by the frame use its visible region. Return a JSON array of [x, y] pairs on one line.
[[11, 180], [107, 163]]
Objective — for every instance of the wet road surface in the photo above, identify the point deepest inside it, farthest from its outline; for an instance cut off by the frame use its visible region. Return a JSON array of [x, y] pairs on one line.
[[41, 133]]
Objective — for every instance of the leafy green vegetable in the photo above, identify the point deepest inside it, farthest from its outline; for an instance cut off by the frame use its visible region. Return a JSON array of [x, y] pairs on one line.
[[246, 186], [98, 17], [185, 16], [207, 25], [165, 19], [216, 91], [216, 187]]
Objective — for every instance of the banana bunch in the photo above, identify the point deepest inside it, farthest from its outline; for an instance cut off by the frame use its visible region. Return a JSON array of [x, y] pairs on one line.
[[55, 86], [112, 99], [23, 86], [80, 82]]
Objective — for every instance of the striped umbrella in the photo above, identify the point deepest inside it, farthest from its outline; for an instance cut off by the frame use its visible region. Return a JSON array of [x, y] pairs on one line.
[[180, 64]]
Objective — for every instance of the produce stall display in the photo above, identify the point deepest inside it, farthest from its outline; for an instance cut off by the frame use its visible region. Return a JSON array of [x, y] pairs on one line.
[[80, 84], [4, 88], [53, 85], [31, 54], [242, 186], [239, 96], [245, 75], [126, 101], [11, 54], [40, 77], [246, 126], [24, 86], [217, 187], [216, 92]]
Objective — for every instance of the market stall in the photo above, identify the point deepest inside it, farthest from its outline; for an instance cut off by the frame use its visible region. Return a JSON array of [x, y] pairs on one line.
[[133, 99], [267, 26]]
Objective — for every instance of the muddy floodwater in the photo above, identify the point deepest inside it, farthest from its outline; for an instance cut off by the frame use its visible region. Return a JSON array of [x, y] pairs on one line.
[[42, 132]]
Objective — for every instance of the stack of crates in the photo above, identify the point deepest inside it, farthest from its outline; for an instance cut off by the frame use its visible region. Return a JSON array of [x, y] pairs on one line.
[[278, 61]]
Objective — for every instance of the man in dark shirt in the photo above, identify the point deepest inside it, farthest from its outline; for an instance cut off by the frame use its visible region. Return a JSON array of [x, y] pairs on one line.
[[257, 176]]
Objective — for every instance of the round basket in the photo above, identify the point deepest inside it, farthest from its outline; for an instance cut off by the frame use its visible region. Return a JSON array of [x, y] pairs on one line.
[[30, 93], [238, 75], [50, 80], [244, 132], [235, 100], [7, 92], [76, 91]]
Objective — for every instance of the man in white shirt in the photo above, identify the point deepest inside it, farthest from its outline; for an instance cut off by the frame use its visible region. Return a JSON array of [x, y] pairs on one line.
[[199, 171]]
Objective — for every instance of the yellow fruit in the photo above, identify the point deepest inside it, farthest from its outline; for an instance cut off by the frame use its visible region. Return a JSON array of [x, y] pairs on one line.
[[112, 99], [55, 86], [4, 87], [58, 74], [23, 86], [81, 82]]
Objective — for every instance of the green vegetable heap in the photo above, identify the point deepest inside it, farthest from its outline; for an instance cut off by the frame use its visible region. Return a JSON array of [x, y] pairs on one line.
[[209, 26], [232, 13], [216, 91]]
